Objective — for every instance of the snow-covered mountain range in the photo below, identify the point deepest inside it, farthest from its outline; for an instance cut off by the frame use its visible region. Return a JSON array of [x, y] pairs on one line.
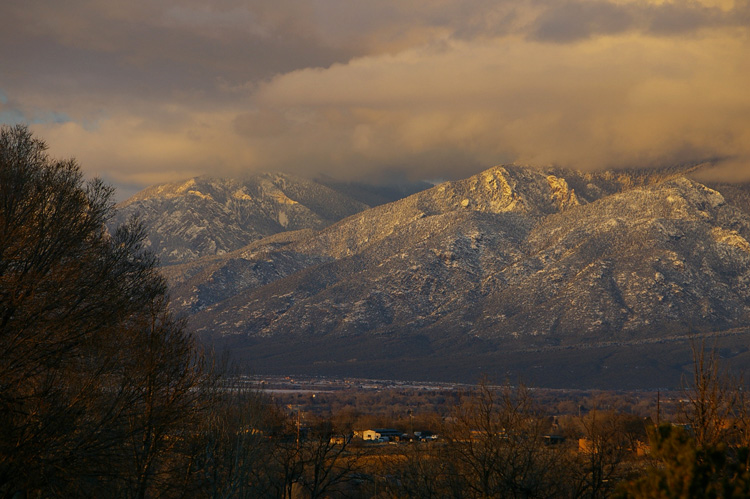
[[514, 271]]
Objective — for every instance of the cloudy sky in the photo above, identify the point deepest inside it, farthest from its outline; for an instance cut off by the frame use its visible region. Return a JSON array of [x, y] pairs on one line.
[[144, 91]]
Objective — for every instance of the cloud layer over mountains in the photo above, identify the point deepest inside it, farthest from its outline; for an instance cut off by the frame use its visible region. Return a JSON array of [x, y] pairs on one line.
[[144, 92]]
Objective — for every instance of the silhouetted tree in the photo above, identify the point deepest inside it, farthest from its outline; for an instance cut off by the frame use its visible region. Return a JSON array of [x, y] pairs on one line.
[[682, 469], [494, 444], [710, 397], [98, 383], [609, 443], [708, 456], [234, 449]]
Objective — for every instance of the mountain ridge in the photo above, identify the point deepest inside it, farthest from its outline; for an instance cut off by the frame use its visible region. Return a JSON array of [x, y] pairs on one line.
[[512, 259], [206, 216]]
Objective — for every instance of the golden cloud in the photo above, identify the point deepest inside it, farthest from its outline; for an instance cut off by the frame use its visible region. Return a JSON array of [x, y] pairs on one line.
[[431, 89]]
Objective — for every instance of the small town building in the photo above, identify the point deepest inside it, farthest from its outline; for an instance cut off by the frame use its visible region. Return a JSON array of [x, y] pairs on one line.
[[381, 434]]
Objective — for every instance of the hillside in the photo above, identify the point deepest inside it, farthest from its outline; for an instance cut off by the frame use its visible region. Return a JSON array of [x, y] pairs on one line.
[[207, 216], [511, 260]]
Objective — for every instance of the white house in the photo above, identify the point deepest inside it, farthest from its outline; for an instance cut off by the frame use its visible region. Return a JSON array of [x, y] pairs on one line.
[[378, 433]]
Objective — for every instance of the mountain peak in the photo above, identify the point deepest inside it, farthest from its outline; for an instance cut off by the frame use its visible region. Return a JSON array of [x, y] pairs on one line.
[[206, 216], [513, 259]]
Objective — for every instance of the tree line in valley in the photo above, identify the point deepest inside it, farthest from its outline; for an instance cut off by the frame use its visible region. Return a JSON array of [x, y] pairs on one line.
[[104, 393]]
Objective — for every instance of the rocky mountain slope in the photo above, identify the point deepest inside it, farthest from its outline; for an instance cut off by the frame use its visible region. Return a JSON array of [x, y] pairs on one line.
[[211, 216], [513, 261]]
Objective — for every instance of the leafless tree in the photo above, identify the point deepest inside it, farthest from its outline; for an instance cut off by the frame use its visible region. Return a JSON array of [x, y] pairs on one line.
[[424, 471], [317, 464], [710, 397], [495, 441], [609, 440], [96, 376], [236, 442], [708, 456]]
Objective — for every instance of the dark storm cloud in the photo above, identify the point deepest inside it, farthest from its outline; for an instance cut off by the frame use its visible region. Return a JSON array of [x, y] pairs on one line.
[[143, 91], [571, 21], [165, 51]]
